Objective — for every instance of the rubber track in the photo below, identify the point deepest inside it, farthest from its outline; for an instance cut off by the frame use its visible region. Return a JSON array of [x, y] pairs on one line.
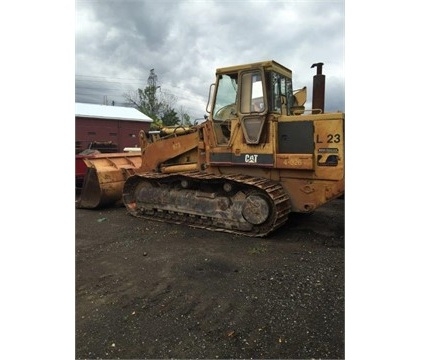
[[272, 189]]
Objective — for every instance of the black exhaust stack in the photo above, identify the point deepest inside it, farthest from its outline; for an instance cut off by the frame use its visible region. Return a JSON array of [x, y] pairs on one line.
[[318, 92]]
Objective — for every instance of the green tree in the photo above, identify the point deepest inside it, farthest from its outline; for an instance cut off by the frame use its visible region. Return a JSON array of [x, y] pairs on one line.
[[147, 100], [157, 124], [170, 117], [158, 105]]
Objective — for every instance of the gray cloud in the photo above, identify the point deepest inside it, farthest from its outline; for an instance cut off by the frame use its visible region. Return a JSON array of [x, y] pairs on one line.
[[118, 42]]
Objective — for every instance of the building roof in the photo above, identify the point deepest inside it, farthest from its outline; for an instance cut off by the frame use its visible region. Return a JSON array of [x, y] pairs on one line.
[[110, 112]]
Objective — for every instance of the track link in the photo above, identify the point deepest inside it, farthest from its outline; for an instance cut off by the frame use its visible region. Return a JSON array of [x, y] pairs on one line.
[[238, 204]]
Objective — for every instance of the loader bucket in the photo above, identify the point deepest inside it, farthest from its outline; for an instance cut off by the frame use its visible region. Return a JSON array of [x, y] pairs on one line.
[[105, 178]]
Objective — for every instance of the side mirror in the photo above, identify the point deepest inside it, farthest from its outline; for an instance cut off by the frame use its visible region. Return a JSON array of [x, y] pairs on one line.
[[209, 104]]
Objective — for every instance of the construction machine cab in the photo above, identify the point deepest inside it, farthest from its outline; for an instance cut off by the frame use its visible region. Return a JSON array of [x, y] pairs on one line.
[[248, 94]]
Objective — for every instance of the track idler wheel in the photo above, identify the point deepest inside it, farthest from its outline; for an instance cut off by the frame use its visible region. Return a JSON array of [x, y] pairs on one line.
[[256, 209]]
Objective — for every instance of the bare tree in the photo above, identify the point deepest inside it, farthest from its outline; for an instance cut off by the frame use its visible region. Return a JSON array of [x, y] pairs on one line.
[[184, 117]]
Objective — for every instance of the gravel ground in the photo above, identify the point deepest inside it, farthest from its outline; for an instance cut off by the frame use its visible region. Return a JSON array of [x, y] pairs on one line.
[[146, 289]]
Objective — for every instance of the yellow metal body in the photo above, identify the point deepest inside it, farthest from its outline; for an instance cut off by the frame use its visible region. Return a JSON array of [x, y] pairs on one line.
[[309, 178], [276, 140], [104, 181]]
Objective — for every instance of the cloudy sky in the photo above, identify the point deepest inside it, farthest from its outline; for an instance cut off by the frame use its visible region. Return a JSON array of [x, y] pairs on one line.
[[117, 42]]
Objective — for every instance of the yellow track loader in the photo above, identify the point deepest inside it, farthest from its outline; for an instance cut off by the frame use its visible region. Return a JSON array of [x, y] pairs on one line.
[[259, 156]]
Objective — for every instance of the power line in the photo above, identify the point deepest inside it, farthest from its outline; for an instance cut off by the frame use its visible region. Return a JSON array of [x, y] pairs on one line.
[[110, 77], [101, 91]]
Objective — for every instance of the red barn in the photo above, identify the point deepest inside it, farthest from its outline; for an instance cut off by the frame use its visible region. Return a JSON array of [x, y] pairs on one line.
[[113, 128]]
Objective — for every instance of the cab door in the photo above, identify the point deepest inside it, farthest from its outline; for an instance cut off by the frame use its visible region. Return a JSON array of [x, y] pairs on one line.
[[252, 105]]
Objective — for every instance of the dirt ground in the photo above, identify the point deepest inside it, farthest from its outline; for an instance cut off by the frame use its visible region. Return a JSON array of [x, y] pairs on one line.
[[145, 289]]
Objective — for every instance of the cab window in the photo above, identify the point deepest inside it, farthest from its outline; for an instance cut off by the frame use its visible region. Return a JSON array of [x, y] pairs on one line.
[[252, 100]]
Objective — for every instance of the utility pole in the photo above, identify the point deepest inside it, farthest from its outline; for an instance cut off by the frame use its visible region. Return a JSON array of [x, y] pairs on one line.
[[152, 79], [152, 84]]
